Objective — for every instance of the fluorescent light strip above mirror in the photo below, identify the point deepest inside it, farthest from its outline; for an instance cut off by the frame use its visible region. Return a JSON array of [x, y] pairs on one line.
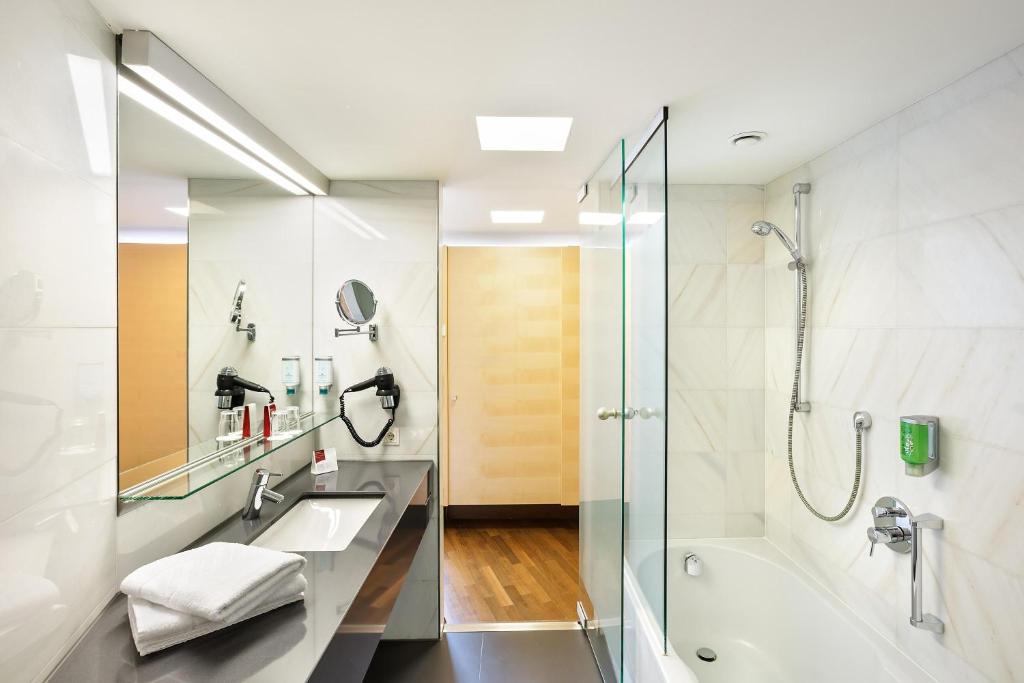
[[174, 78], [179, 95], [502, 216], [158, 106]]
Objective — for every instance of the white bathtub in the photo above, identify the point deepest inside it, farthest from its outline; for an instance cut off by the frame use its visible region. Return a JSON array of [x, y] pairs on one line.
[[766, 619]]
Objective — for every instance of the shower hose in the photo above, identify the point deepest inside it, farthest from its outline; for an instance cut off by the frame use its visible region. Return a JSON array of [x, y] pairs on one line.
[[801, 270]]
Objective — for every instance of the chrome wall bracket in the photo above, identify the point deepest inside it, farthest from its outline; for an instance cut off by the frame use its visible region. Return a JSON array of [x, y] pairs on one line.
[[370, 330], [250, 329]]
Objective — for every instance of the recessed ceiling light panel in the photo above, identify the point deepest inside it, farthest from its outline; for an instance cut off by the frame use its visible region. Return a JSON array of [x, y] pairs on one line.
[[600, 218], [523, 133], [645, 217], [517, 216]]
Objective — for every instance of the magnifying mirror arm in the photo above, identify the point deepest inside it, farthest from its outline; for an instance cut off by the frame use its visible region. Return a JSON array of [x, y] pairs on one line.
[[250, 329], [370, 330]]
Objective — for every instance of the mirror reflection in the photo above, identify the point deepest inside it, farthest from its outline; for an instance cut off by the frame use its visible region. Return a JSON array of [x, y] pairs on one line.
[[356, 303], [199, 232]]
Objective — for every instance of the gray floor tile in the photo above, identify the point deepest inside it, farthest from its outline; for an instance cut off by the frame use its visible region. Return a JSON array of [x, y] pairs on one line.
[[499, 657], [537, 656]]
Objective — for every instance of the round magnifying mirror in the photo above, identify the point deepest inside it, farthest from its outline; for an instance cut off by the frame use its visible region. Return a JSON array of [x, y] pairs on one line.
[[356, 303], [236, 302]]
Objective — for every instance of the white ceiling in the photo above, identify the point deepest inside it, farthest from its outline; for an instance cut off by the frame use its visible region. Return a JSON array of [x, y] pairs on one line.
[[390, 89]]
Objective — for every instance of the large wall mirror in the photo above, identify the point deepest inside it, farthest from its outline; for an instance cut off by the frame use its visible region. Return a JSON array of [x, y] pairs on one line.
[[214, 297]]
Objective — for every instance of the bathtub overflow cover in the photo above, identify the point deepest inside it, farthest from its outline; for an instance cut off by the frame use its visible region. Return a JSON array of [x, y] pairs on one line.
[[706, 654]]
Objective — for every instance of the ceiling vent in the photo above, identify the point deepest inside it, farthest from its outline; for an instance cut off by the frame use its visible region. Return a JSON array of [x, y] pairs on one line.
[[748, 139]]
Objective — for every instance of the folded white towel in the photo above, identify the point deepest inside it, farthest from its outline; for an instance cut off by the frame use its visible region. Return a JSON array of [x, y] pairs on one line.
[[217, 582], [155, 627]]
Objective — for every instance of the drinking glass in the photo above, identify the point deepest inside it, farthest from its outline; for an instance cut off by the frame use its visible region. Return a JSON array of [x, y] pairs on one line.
[[294, 420], [239, 416], [279, 425], [228, 428]]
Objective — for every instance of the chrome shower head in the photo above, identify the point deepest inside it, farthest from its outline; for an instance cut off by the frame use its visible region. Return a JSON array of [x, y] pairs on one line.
[[763, 228]]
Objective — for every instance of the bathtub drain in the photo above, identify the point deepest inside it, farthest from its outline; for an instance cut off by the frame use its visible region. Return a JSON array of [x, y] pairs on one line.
[[706, 654]]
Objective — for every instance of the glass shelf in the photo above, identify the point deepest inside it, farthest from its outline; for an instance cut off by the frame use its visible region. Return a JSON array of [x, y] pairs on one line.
[[211, 461]]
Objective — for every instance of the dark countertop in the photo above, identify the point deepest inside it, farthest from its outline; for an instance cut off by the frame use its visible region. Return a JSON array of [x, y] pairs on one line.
[[280, 646]]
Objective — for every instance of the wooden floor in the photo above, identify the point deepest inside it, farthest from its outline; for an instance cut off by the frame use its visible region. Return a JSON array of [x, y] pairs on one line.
[[511, 571]]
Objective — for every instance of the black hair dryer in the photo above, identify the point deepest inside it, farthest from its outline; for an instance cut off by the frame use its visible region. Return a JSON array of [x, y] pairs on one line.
[[389, 394], [231, 389]]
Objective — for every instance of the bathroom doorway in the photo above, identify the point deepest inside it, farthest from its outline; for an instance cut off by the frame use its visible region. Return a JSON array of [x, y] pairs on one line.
[[510, 434]]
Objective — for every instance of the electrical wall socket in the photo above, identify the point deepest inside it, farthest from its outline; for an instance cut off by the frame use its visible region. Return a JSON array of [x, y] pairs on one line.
[[391, 438]]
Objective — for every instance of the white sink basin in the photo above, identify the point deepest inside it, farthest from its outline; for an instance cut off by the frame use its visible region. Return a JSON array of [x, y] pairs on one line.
[[318, 524]]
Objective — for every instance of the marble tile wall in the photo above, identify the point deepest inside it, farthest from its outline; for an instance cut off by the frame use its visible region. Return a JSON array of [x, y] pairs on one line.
[[58, 354], [385, 233], [915, 245], [715, 358]]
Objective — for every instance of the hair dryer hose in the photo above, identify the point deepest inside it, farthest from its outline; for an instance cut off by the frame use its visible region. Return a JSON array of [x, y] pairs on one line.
[[352, 429]]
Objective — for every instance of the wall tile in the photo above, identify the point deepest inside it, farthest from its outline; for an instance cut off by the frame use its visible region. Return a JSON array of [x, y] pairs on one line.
[[745, 420], [984, 136], [698, 421], [745, 354], [745, 295], [742, 245], [966, 272], [716, 361], [697, 295], [59, 416], [699, 229], [36, 40], [697, 357], [68, 247], [745, 483], [58, 566]]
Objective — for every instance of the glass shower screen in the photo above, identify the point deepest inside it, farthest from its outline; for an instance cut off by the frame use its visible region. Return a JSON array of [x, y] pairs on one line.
[[623, 365]]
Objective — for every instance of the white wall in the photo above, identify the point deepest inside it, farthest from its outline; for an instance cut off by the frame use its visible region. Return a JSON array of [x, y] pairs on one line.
[[385, 233], [58, 356], [715, 362], [397, 257], [915, 243]]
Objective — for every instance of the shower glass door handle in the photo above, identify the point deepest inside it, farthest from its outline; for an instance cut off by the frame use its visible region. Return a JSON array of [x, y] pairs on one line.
[[607, 413]]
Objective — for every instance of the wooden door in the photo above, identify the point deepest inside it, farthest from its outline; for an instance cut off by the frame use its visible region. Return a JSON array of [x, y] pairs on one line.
[[513, 375]]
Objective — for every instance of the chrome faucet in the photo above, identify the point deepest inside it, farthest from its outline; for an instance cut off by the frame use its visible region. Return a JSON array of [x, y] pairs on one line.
[[258, 492], [893, 531], [896, 527]]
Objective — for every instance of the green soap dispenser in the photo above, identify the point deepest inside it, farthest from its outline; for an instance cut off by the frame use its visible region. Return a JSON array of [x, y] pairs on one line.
[[919, 444]]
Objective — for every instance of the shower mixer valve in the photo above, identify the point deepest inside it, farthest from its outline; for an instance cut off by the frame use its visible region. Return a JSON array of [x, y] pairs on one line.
[[896, 527]]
